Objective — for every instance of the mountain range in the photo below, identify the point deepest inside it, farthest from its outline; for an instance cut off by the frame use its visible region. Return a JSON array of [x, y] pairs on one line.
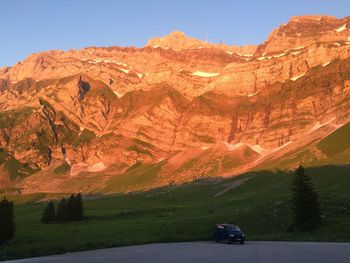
[[121, 119]]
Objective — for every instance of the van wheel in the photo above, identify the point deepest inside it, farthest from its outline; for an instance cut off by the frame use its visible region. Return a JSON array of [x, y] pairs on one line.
[[242, 242], [229, 241]]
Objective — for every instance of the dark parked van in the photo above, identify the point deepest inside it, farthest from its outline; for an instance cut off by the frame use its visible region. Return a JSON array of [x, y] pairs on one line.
[[229, 233]]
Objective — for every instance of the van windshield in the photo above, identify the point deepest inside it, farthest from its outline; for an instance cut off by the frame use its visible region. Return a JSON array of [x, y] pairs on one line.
[[232, 228]]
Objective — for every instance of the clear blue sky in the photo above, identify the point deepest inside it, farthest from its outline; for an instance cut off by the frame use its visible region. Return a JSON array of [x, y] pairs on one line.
[[28, 26]]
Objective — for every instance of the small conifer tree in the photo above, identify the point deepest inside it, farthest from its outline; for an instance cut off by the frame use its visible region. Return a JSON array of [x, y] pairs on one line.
[[71, 207], [7, 225], [78, 208], [306, 208], [49, 214], [62, 214]]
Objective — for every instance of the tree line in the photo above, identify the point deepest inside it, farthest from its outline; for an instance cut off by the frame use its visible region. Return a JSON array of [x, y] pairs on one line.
[[70, 209]]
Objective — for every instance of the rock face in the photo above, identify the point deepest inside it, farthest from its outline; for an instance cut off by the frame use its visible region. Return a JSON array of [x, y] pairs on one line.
[[178, 101], [178, 40]]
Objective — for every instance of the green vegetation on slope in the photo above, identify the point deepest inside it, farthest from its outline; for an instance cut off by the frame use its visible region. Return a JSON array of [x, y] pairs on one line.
[[86, 136], [15, 168], [261, 206], [336, 142], [334, 149], [12, 118], [137, 177], [62, 169]]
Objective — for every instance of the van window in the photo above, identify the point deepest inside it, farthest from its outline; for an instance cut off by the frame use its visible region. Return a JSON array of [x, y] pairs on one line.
[[233, 228]]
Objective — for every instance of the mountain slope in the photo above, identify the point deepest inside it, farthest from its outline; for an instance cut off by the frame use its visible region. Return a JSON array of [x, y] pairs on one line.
[[122, 119]]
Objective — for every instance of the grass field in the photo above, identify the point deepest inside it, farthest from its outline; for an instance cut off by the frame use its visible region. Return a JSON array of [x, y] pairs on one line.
[[260, 206]]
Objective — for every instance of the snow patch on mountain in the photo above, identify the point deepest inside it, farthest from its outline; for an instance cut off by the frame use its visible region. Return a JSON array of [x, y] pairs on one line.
[[81, 130], [232, 147], [255, 147], [342, 28], [118, 94], [295, 53], [244, 55], [296, 77], [84, 167], [205, 74], [276, 56], [126, 71], [325, 64], [253, 94], [121, 64]]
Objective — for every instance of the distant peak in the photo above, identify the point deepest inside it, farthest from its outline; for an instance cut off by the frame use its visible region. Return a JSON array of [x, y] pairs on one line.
[[179, 40], [177, 34], [176, 40], [304, 18]]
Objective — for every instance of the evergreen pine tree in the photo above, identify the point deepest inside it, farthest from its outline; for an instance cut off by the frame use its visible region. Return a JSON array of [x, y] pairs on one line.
[[78, 208], [49, 214], [71, 207], [62, 214], [7, 225], [306, 208]]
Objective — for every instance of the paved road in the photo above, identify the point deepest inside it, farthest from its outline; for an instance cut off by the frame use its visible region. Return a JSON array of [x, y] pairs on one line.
[[203, 252]]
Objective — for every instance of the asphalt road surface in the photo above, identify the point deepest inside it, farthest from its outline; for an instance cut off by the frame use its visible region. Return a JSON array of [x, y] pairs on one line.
[[253, 251]]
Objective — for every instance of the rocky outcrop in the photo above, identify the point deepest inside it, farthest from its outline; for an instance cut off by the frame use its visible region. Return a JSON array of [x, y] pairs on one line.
[[178, 40]]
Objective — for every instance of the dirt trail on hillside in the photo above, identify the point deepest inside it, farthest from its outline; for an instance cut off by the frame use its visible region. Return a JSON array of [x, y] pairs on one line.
[[233, 185]]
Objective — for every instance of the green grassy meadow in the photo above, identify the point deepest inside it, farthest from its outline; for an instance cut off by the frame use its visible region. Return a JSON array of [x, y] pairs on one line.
[[260, 206]]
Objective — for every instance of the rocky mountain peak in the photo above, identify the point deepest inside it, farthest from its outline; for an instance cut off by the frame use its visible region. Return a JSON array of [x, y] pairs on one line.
[[176, 40], [311, 18], [303, 31]]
